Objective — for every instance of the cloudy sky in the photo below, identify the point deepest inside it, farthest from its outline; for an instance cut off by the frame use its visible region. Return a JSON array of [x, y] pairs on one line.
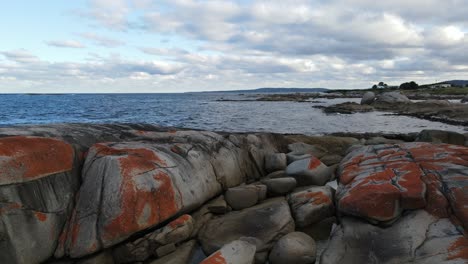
[[187, 45]]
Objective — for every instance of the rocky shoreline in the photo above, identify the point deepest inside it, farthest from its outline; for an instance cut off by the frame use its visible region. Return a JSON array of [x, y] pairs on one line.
[[398, 104], [126, 193]]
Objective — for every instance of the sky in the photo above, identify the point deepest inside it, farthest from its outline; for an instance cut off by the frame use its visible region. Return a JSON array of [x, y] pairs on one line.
[[89, 46]]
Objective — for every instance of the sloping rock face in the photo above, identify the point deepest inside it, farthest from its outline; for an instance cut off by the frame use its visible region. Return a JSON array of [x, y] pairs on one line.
[[419, 191], [131, 186], [37, 185]]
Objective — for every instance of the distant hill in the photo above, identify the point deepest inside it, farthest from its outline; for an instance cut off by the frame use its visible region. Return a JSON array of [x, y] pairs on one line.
[[457, 82], [274, 90], [452, 82]]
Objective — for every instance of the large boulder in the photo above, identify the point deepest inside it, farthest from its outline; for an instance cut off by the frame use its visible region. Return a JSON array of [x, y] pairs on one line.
[[379, 182], [129, 187], [310, 171], [295, 247], [464, 99], [265, 222], [311, 205], [38, 180], [236, 252], [368, 98], [418, 237], [441, 136], [392, 97]]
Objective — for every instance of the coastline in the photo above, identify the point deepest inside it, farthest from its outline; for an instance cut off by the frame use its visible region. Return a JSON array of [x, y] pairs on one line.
[[208, 189]]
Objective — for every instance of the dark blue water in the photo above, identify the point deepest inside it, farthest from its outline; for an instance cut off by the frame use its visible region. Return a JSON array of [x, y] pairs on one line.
[[201, 111]]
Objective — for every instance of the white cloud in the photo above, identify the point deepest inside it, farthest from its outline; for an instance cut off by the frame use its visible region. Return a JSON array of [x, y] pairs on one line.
[[66, 44], [101, 40], [241, 44]]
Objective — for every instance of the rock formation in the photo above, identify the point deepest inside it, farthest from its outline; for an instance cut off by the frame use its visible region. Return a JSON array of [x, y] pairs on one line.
[[140, 193]]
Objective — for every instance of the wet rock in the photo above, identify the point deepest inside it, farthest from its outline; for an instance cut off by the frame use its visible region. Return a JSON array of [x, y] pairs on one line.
[[348, 108], [265, 222], [143, 248], [280, 186], [309, 171], [238, 252], [245, 196], [417, 237], [183, 254], [441, 136], [295, 247], [38, 180], [392, 97], [464, 99], [275, 162], [368, 98], [379, 182], [311, 205]]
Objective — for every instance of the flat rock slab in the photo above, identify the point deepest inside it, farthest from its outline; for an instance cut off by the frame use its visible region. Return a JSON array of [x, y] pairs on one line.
[[379, 182], [266, 222]]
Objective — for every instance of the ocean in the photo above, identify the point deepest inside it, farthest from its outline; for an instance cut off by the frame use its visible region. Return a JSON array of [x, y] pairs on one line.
[[203, 111]]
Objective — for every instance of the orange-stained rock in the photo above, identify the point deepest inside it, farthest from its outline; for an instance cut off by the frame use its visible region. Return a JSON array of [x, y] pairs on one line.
[[378, 182], [25, 159], [311, 205], [238, 252], [132, 186], [37, 186], [459, 249]]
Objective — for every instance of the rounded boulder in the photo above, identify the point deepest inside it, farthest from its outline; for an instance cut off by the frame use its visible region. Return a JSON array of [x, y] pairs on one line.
[[295, 247], [368, 98]]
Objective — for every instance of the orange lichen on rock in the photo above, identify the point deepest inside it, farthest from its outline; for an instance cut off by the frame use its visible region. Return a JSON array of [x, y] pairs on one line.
[[159, 205], [133, 153], [140, 206], [216, 258], [437, 204], [182, 220], [458, 249], [29, 158], [376, 201], [460, 204], [379, 181], [40, 216], [315, 198], [314, 163]]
